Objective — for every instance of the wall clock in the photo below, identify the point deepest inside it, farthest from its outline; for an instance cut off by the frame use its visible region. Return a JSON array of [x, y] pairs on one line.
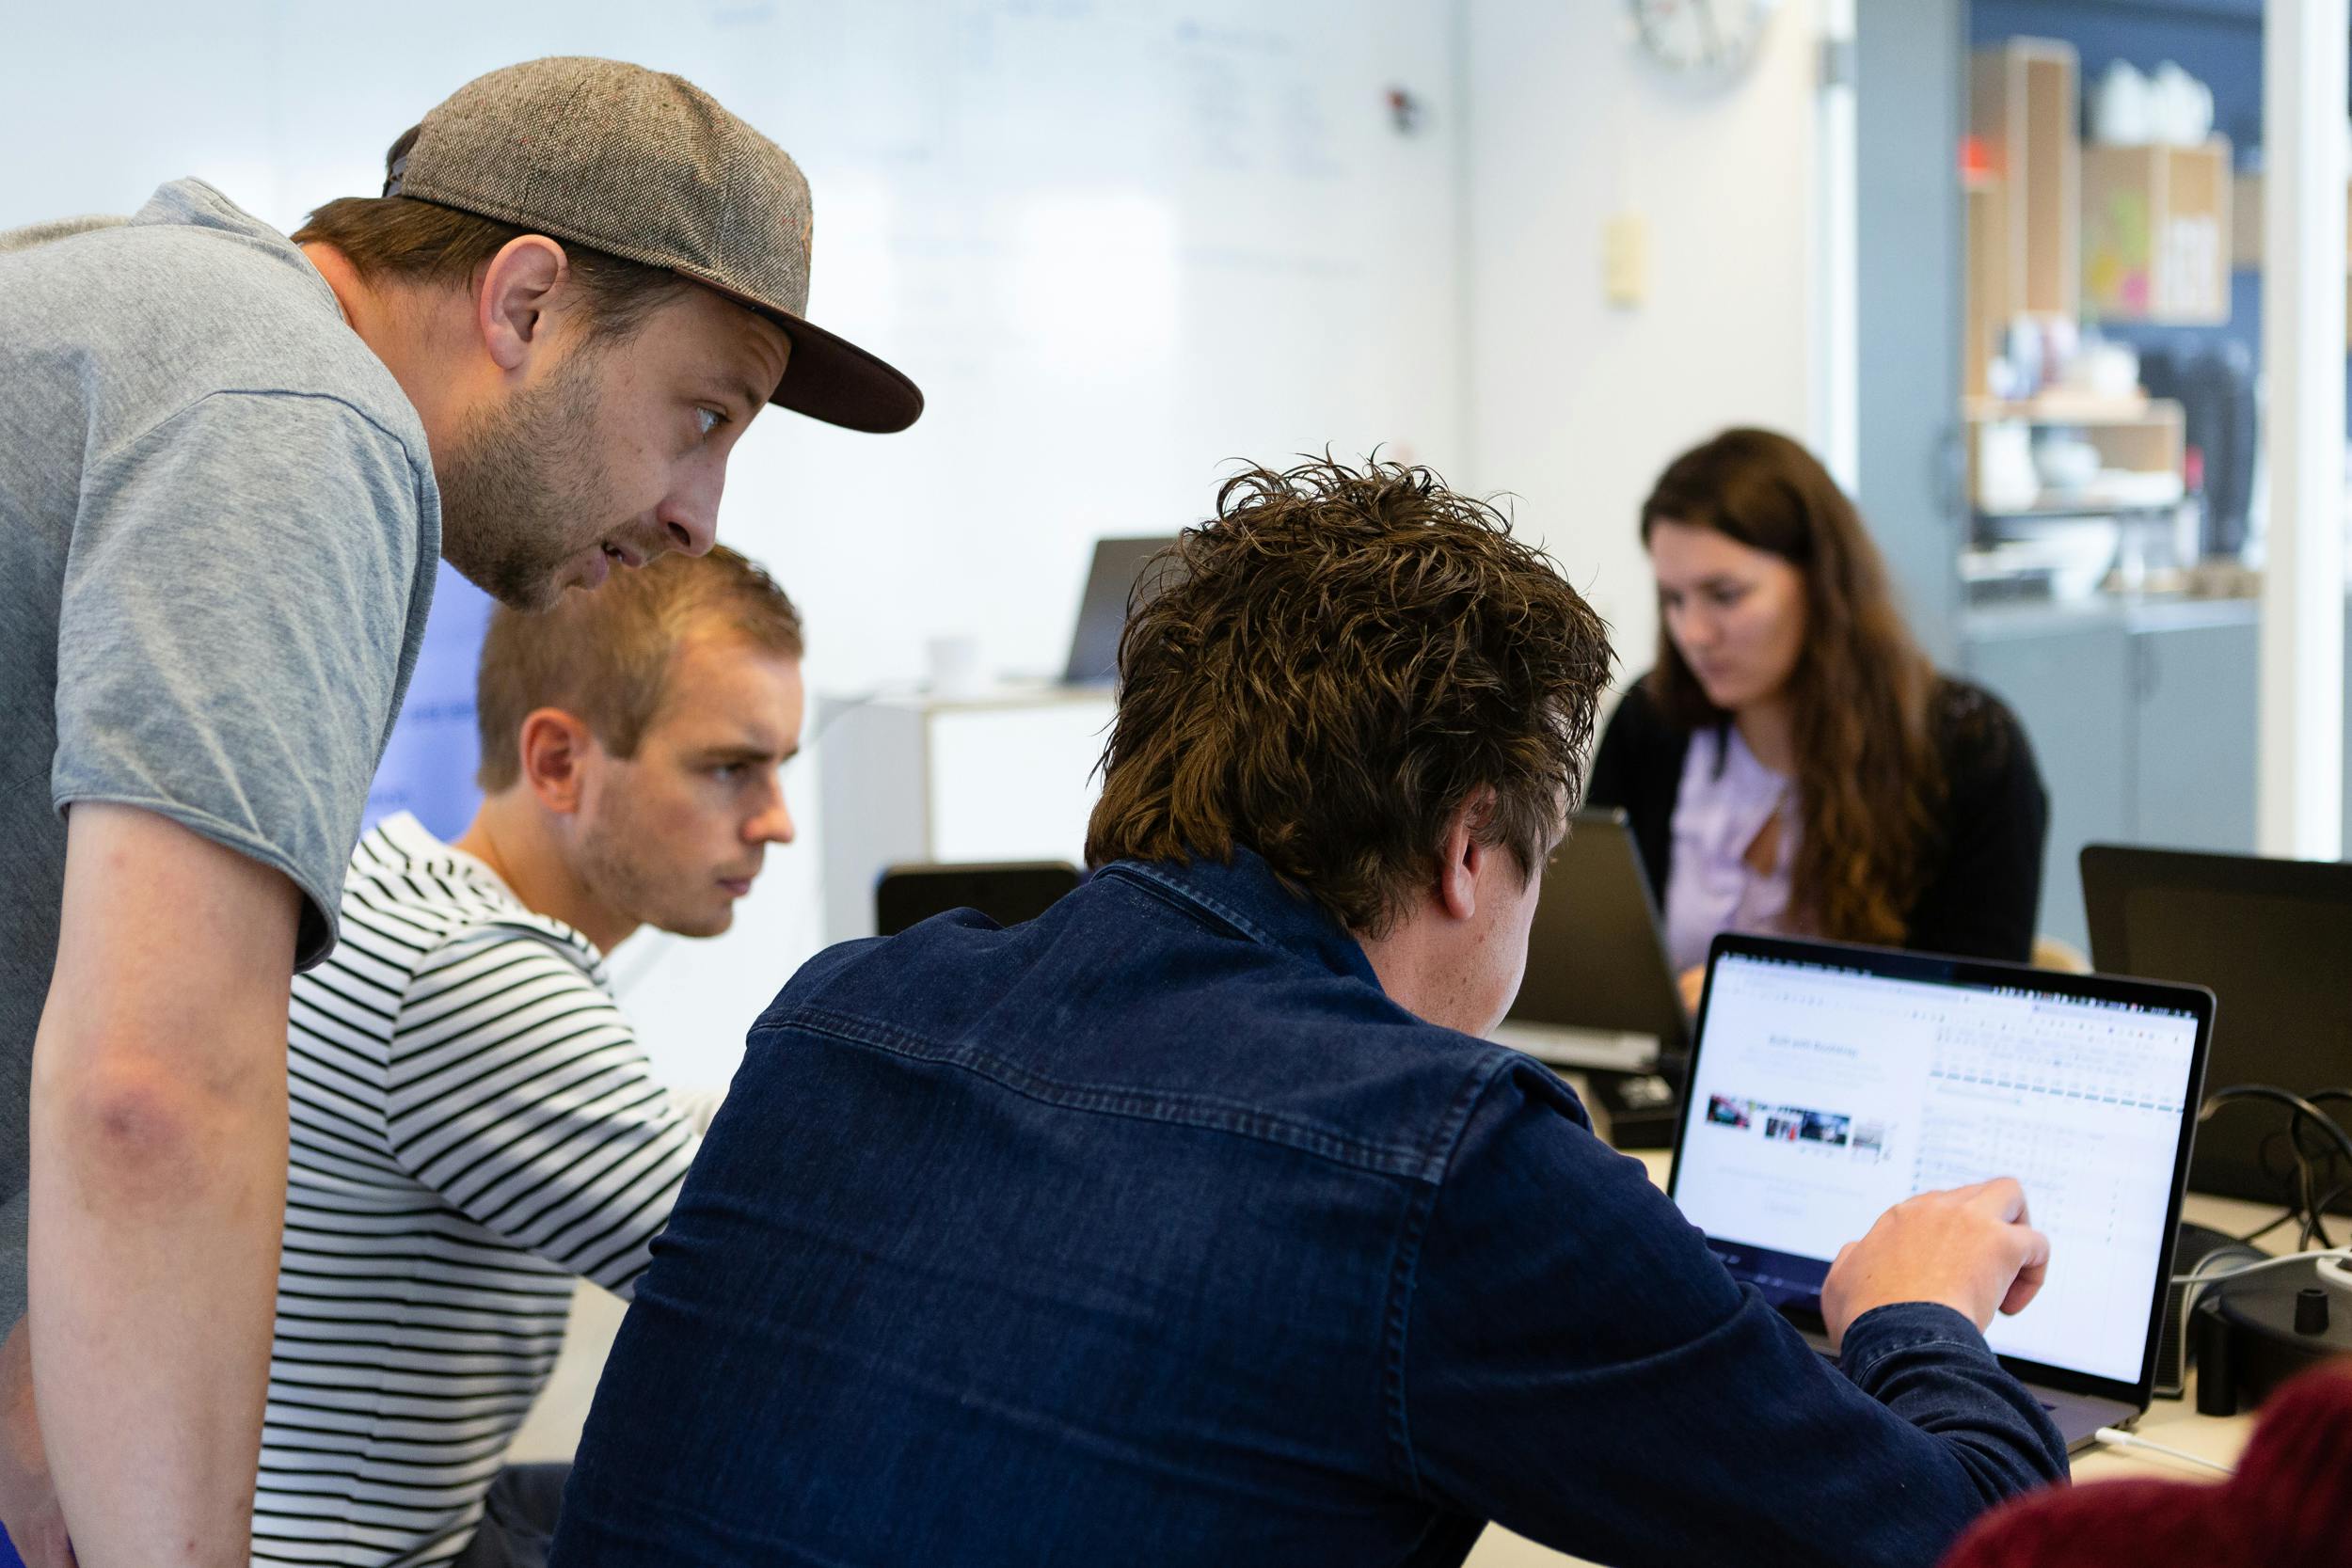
[[1702, 40]]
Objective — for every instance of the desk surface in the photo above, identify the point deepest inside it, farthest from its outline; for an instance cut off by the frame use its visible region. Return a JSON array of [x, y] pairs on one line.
[[2173, 1422]]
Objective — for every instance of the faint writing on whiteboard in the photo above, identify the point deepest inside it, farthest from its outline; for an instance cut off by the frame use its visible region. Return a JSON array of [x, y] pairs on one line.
[[1254, 101]]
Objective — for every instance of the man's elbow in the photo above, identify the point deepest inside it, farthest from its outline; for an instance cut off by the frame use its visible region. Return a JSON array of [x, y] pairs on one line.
[[141, 1131]]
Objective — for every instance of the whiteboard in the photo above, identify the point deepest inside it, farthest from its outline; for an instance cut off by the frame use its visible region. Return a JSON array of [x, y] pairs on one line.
[[1118, 243]]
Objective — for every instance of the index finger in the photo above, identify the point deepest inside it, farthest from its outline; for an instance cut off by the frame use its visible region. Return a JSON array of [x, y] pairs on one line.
[[2003, 1197]]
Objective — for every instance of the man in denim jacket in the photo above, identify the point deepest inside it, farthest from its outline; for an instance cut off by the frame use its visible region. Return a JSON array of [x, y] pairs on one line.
[[1194, 1222]]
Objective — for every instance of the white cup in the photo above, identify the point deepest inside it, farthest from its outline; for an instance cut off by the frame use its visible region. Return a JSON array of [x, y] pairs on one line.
[[2006, 478], [952, 663]]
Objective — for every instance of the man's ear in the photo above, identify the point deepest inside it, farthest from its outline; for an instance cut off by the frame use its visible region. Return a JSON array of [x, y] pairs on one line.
[[555, 747], [519, 287], [1463, 855]]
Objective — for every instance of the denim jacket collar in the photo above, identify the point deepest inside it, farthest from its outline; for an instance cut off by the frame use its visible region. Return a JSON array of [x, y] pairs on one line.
[[1246, 896]]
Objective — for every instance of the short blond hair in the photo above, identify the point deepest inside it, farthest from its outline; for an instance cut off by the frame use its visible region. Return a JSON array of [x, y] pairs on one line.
[[604, 655]]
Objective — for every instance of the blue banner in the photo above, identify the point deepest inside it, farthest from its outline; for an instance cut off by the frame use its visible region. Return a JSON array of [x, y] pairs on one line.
[[429, 763]]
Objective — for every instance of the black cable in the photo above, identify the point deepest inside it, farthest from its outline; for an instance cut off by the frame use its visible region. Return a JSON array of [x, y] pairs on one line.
[[2302, 1107], [2315, 1167], [2284, 1180], [2318, 1204], [2283, 1176], [2306, 1204]]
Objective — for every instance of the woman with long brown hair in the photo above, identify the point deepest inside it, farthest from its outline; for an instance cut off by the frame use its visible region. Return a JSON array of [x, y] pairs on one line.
[[1794, 761]]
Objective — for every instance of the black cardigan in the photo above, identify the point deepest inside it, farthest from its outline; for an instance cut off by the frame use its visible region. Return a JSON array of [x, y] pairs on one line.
[[1983, 886]]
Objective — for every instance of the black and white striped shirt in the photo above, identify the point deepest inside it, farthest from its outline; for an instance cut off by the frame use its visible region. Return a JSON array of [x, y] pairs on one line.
[[474, 1125]]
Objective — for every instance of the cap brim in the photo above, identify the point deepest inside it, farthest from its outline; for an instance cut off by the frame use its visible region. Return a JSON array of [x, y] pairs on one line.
[[832, 379], [835, 380]]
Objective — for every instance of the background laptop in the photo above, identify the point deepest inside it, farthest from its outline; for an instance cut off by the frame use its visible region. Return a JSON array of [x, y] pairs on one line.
[[1102, 607], [2273, 940], [1829, 1082], [1598, 995], [1008, 892], [1596, 962]]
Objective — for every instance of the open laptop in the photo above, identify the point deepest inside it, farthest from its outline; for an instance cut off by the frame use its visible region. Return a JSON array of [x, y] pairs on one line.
[[1102, 607], [1598, 990], [1828, 1083], [2273, 939], [1598, 996]]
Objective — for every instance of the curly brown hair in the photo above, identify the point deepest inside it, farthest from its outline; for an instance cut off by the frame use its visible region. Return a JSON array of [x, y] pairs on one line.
[[1870, 782], [1328, 670]]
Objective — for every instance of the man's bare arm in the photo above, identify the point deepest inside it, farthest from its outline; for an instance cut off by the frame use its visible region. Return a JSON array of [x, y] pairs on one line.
[[28, 1504], [158, 1187]]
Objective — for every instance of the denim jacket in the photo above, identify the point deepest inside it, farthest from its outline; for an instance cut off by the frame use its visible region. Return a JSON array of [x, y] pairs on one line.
[[1152, 1233]]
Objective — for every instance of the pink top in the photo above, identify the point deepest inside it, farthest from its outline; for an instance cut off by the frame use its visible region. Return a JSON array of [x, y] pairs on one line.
[[1726, 799]]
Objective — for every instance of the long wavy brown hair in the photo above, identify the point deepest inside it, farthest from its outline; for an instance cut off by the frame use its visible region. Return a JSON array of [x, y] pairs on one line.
[[1870, 781]]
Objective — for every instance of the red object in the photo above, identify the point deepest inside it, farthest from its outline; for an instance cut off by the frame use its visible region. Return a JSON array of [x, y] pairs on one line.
[[2289, 1504], [1975, 162]]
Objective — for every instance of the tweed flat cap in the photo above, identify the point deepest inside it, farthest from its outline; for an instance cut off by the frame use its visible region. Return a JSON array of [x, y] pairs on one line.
[[649, 167]]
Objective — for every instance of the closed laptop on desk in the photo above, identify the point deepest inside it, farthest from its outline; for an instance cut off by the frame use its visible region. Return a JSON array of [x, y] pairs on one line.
[[1829, 1082]]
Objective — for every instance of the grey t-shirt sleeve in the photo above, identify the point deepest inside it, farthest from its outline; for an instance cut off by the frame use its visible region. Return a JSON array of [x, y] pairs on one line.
[[232, 628]]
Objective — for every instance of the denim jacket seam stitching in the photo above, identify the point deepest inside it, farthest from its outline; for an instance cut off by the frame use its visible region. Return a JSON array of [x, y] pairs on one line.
[[1879, 1358], [1381, 1159], [1404, 1274], [1446, 1138], [1405, 1270], [1173, 892]]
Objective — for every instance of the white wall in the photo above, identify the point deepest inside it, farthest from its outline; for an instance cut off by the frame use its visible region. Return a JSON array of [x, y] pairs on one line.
[[1117, 242], [1573, 402]]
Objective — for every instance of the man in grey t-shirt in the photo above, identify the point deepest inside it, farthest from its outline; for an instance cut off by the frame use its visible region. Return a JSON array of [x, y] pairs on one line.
[[227, 460]]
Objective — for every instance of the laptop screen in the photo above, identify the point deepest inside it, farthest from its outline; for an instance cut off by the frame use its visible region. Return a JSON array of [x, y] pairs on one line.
[[1117, 570], [1823, 1094]]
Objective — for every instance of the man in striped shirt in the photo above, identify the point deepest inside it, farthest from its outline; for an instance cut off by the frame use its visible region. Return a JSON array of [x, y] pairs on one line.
[[473, 1123]]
